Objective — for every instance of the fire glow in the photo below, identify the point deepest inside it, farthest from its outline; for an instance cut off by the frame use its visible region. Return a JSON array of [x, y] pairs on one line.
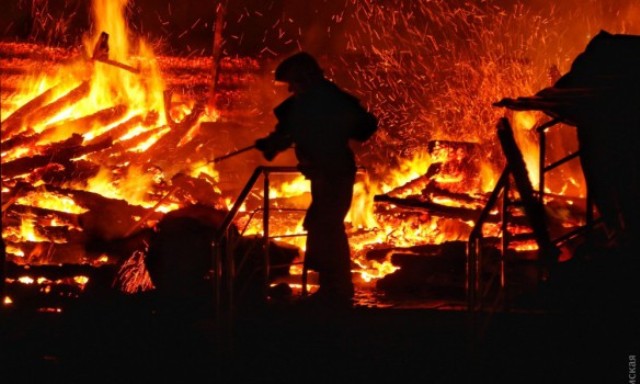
[[430, 70]]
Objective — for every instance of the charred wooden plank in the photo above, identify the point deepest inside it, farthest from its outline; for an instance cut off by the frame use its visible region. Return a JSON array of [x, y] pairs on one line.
[[23, 138], [72, 141], [44, 213], [78, 171], [60, 233], [446, 211], [411, 187], [433, 208], [29, 137], [434, 190], [46, 297], [28, 164], [24, 165], [88, 200], [105, 220]]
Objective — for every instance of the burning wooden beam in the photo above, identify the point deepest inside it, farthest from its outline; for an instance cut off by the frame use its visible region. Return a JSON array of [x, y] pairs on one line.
[[18, 210], [116, 132], [434, 208], [86, 123], [29, 138], [135, 141], [16, 120], [50, 110], [433, 190]]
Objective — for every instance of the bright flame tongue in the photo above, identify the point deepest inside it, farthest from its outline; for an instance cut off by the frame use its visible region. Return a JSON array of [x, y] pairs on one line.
[[112, 85], [133, 187], [108, 16]]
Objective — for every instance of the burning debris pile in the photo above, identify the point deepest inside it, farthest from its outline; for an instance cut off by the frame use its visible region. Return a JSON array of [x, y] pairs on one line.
[[97, 145], [83, 186], [442, 189]]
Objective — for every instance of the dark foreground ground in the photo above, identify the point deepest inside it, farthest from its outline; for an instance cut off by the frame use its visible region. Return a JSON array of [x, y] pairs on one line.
[[125, 340]]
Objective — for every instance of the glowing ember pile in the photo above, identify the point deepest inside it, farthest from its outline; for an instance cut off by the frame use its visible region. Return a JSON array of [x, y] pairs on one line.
[[96, 144]]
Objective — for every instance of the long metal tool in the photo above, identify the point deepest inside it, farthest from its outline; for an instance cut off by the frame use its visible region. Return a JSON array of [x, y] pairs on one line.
[[231, 154]]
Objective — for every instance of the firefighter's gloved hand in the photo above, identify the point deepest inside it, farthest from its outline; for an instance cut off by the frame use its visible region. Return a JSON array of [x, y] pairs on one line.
[[262, 144], [266, 146]]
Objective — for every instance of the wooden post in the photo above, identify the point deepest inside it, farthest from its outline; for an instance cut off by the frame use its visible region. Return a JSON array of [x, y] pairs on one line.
[[216, 53], [533, 207]]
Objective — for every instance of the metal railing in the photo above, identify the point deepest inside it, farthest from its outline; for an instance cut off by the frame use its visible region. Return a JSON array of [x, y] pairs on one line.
[[590, 220], [476, 289], [223, 249]]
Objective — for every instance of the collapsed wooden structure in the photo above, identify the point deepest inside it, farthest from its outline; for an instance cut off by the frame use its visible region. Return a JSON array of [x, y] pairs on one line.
[[55, 162], [599, 97]]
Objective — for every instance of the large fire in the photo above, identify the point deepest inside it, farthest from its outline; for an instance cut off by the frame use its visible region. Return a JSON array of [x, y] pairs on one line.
[[101, 121]]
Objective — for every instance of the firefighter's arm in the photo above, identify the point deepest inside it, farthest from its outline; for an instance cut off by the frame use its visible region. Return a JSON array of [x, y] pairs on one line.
[[280, 139], [274, 143]]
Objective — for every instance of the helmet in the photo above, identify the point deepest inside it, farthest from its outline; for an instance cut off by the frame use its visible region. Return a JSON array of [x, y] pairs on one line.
[[299, 67]]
